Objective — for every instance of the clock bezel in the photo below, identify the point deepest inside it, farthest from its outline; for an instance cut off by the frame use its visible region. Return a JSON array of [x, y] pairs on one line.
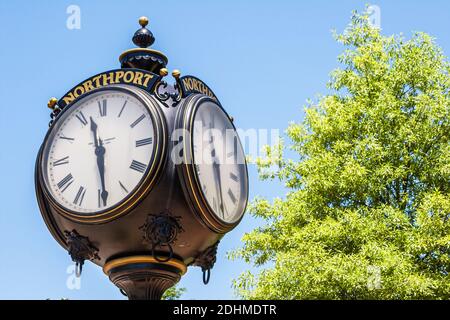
[[149, 178], [186, 169]]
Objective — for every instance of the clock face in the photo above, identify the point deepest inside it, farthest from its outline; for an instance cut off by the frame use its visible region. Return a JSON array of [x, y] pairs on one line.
[[98, 151], [219, 162]]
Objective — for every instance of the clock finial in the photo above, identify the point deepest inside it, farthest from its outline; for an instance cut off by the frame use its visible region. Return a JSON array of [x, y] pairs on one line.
[[143, 37], [143, 21], [143, 57]]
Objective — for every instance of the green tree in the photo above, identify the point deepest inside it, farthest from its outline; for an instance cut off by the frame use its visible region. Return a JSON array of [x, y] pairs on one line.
[[368, 207], [173, 293]]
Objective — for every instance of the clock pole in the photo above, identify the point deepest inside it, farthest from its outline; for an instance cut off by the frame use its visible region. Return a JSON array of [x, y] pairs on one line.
[[144, 277]]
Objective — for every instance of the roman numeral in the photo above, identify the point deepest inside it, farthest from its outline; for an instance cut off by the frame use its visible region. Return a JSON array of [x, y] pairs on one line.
[[123, 187], [121, 110], [232, 197], [234, 177], [65, 182], [80, 116], [99, 198], [134, 124], [66, 138], [61, 161], [102, 107], [144, 142], [80, 196], [138, 166]]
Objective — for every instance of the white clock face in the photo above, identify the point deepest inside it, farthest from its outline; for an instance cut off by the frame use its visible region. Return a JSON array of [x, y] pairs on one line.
[[98, 151], [220, 162]]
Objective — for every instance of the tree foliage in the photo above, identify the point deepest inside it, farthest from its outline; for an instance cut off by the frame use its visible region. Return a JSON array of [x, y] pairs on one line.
[[368, 208], [173, 293]]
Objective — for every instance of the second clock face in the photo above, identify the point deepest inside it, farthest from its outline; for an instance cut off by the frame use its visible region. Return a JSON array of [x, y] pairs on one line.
[[98, 151], [220, 162]]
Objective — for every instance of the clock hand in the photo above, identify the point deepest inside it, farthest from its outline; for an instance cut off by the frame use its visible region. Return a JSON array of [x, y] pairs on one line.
[[94, 130], [216, 168], [100, 153]]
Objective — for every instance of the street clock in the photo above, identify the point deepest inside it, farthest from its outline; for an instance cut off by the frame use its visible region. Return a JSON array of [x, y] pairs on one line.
[[141, 177]]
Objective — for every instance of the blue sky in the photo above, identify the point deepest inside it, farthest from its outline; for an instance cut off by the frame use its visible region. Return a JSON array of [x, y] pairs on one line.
[[263, 59]]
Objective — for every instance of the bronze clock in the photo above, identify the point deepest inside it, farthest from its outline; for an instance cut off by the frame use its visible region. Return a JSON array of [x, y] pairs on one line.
[[139, 176]]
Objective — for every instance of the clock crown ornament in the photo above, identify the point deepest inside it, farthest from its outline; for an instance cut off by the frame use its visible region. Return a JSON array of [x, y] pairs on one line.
[[143, 37], [143, 57], [110, 190]]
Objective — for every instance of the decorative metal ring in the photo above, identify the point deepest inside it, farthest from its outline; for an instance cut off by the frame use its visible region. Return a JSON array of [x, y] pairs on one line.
[[206, 275], [78, 269], [123, 292], [158, 244]]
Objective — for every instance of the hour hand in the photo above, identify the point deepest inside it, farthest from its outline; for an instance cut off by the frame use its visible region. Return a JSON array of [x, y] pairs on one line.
[[94, 130]]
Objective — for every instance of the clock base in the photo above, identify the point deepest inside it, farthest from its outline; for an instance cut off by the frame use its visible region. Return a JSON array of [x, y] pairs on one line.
[[144, 277]]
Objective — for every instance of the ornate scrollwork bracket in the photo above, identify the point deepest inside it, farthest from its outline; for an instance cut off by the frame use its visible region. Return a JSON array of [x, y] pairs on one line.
[[161, 230], [80, 249], [164, 95], [206, 261]]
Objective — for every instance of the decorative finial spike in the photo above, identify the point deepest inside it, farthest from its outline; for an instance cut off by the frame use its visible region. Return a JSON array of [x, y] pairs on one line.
[[163, 72], [176, 74], [143, 21], [143, 57], [143, 37], [52, 103]]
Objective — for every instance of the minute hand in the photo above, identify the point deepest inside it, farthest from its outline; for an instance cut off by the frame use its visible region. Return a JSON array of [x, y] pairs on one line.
[[216, 168], [100, 153]]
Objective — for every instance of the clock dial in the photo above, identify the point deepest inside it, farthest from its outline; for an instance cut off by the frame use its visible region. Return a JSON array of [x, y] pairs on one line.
[[99, 151], [219, 162]]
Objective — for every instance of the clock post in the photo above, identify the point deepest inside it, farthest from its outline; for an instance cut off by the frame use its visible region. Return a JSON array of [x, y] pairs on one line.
[[126, 179]]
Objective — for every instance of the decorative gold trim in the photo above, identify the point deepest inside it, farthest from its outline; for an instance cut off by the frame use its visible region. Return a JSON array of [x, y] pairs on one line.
[[176, 74], [163, 72], [52, 103], [143, 50], [143, 21], [143, 259]]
